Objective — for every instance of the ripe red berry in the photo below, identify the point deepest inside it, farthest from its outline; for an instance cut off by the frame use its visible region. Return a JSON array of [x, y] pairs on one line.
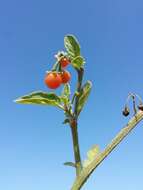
[[53, 80], [64, 62], [66, 76]]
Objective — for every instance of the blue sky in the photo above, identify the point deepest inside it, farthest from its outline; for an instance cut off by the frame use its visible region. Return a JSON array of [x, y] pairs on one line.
[[33, 141]]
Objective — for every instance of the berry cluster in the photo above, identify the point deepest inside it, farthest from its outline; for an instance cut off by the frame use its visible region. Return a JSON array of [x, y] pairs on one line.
[[58, 75]]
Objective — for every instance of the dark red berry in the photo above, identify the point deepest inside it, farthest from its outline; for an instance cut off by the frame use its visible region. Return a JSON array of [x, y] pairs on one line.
[[126, 111], [140, 106]]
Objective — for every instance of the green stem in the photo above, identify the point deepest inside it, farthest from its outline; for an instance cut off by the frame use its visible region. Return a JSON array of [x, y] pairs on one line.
[[134, 104], [73, 125], [74, 131], [79, 85], [86, 172]]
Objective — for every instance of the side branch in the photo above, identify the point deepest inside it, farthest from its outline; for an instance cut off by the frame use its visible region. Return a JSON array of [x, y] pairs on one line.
[[86, 172]]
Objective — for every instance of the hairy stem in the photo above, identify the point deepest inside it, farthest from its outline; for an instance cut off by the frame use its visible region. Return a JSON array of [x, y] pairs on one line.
[[79, 85], [74, 127], [76, 148], [86, 172]]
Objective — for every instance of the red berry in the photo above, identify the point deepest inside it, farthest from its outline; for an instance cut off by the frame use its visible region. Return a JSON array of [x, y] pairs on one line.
[[64, 61], [65, 75], [53, 80]]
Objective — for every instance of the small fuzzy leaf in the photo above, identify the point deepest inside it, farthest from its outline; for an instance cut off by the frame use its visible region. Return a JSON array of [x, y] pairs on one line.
[[83, 95], [39, 97], [70, 164], [66, 121], [78, 62], [72, 46], [66, 91], [91, 155], [65, 96]]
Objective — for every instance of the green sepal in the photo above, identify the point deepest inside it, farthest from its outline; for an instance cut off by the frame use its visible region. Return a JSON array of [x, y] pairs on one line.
[[41, 98], [83, 95], [72, 46]]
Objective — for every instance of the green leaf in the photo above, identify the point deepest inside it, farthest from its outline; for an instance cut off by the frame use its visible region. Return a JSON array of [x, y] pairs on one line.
[[93, 152], [42, 98], [65, 96], [66, 121], [78, 62], [66, 91], [72, 46], [91, 155], [83, 95], [70, 164]]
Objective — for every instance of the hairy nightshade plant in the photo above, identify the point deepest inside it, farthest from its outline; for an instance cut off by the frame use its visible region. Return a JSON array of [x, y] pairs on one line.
[[72, 107]]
